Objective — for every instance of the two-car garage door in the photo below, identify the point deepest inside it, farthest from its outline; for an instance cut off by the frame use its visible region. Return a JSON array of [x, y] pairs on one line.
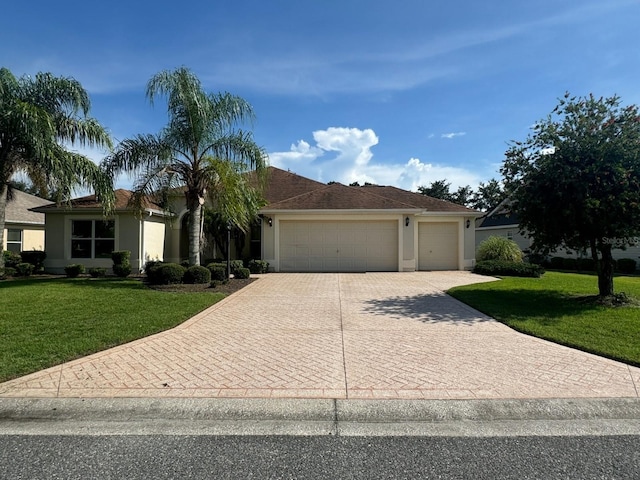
[[338, 246]]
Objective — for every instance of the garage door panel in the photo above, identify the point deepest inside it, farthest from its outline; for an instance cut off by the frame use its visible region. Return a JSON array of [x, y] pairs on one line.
[[338, 246], [438, 246]]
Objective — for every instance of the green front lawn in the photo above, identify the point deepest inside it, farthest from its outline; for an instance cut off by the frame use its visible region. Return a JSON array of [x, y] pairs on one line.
[[559, 307], [44, 322]]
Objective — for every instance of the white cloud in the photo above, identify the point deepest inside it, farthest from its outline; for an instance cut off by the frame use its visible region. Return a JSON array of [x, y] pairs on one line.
[[344, 155], [453, 135]]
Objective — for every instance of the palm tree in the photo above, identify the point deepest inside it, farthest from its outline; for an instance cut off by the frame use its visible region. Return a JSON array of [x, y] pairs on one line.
[[38, 117], [201, 150]]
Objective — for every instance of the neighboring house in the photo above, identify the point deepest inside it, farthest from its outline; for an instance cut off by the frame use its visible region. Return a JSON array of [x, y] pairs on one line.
[[79, 233], [307, 226], [501, 222], [24, 229]]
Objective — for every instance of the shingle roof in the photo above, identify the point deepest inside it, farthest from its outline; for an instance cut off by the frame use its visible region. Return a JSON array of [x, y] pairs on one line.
[[416, 199], [91, 202], [282, 185], [17, 210], [339, 197]]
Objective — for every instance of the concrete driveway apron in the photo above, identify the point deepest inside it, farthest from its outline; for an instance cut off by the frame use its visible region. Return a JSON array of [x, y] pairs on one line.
[[374, 335]]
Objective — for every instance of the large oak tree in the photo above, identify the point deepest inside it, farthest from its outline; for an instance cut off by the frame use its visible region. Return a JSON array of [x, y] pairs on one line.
[[575, 180]]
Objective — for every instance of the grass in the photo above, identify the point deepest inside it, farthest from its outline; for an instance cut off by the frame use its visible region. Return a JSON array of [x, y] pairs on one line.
[[44, 322], [560, 307]]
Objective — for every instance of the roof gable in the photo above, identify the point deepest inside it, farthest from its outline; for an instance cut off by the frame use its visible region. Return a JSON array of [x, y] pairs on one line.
[[18, 209], [417, 200], [282, 185]]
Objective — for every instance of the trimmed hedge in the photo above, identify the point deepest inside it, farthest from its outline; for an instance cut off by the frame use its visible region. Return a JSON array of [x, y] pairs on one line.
[[121, 257], [35, 258], [167, 274], [98, 272], [236, 265], [11, 259], [508, 269], [122, 270], [258, 266], [242, 273], [556, 263], [197, 274], [74, 269], [218, 273], [24, 269], [626, 265]]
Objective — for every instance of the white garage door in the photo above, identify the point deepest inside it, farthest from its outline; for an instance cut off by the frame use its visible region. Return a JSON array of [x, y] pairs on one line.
[[438, 246], [339, 246]]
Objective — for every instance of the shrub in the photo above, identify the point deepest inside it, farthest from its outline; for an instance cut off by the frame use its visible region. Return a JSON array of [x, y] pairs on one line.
[[11, 259], [236, 265], [151, 270], [218, 273], [499, 248], [7, 272], [242, 273], [258, 266], [121, 257], [185, 263], [35, 258], [556, 263], [167, 274], [24, 269], [569, 264], [626, 265], [197, 274], [508, 269], [98, 272], [536, 258], [586, 265], [74, 270], [122, 271]]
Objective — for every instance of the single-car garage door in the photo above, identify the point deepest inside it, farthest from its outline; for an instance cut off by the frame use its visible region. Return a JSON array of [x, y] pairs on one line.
[[438, 246], [338, 246]]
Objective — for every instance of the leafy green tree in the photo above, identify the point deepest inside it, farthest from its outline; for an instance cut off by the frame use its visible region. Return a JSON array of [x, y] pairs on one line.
[[575, 180], [487, 196], [438, 189], [201, 149], [39, 116], [463, 195]]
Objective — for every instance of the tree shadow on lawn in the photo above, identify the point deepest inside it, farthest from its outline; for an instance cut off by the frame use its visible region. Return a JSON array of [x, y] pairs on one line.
[[546, 306]]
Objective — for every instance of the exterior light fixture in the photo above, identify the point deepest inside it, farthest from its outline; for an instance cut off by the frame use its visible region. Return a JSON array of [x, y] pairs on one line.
[[406, 222], [468, 223], [270, 221]]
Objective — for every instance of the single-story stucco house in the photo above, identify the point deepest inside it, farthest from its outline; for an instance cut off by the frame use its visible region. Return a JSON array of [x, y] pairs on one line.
[[24, 228], [501, 222], [306, 226]]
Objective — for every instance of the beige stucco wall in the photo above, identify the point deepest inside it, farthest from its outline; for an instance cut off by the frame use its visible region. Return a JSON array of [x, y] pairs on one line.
[[32, 236]]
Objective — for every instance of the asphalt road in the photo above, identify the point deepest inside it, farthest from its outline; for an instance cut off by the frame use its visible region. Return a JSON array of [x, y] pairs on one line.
[[288, 457]]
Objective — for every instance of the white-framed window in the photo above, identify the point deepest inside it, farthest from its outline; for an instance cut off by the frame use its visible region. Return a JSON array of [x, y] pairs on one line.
[[92, 238], [14, 240]]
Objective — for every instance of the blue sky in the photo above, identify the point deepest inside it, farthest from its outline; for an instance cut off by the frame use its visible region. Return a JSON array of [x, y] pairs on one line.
[[397, 93]]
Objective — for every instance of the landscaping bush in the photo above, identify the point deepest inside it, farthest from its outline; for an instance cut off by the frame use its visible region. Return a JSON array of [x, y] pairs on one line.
[[586, 265], [218, 273], [74, 270], [197, 274], [98, 272], [24, 269], [569, 264], [242, 273], [556, 263], [536, 258], [151, 270], [258, 266], [235, 265], [35, 258], [121, 257], [508, 269], [185, 263], [167, 274], [11, 259], [7, 272], [122, 271], [626, 265], [499, 248]]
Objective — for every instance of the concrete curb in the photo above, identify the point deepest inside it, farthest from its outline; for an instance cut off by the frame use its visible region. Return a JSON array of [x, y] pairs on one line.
[[215, 416]]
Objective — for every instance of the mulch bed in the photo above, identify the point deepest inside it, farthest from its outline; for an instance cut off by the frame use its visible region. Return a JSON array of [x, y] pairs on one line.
[[232, 286]]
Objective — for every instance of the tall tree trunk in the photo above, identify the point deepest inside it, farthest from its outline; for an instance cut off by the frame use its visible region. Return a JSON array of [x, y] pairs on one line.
[[3, 207], [605, 271], [194, 226]]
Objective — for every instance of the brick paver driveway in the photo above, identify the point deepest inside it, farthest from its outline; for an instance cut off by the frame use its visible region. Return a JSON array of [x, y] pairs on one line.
[[374, 335]]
